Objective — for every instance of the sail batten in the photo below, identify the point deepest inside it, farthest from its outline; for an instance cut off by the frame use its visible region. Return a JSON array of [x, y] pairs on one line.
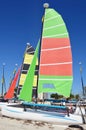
[[53, 27], [48, 19], [31, 52], [29, 47], [65, 47], [55, 79], [55, 64], [63, 34]]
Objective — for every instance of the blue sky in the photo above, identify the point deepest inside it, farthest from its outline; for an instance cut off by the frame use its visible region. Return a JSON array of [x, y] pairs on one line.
[[20, 23]]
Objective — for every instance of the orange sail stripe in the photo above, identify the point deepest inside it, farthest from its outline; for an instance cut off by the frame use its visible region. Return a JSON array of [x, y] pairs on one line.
[[56, 70], [56, 56], [55, 42], [10, 92]]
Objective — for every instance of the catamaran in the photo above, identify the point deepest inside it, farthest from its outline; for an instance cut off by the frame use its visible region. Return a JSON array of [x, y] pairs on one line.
[[18, 79], [55, 74], [27, 59], [10, 93]]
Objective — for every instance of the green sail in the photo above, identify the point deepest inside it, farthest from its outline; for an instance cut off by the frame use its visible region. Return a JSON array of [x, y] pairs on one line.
[[55, 74], [55, 84], [26, 91], [54, 26]]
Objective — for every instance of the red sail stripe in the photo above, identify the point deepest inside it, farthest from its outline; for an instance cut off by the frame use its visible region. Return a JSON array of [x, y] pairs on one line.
[[56, 56], [10, 92], [54, 42], [57, 70]]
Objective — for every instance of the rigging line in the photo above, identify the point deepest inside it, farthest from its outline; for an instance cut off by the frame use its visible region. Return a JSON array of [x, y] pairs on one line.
[[63, 34], [56, 64], [59, 25], [59, 48]]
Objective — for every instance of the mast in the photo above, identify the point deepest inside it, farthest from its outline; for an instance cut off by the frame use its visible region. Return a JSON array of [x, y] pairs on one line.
[[81, 79], [13, 75], [83, 119], [45, 5], [3, 82]]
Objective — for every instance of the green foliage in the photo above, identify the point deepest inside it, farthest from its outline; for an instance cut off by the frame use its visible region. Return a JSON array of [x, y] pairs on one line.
[[77, 96], [56, 96], [72, 96]]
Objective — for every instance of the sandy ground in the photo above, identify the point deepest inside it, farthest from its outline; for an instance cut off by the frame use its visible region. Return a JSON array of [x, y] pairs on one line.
[[13, 124]]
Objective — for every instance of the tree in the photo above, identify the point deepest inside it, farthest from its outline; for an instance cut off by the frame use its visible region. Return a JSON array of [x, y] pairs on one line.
[[72, 96], [77, 96], [56, 96]]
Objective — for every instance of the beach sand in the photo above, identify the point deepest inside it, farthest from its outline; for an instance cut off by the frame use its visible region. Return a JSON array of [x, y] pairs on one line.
[[15, 124]]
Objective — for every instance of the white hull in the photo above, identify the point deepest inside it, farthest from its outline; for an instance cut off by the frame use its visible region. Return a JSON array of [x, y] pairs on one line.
[[3, 104], [39, 115]]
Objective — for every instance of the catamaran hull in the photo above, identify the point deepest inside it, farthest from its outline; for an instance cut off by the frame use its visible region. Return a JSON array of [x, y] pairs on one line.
[[4, 104], [37, 115]]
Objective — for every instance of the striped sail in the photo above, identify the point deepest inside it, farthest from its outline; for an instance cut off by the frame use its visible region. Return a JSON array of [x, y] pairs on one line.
[[55, 74], [26, 91], [27, 59]]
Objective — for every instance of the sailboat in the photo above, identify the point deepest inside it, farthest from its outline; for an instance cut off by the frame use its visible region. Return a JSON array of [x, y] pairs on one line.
[[10, 93], [55, 73], [27, 59], [11, 97]]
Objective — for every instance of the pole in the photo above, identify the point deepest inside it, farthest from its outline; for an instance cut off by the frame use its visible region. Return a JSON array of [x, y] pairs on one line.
[[82, 90], [13, 75], [46, 5], [15, 70], [3, 80], [81, 78]]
